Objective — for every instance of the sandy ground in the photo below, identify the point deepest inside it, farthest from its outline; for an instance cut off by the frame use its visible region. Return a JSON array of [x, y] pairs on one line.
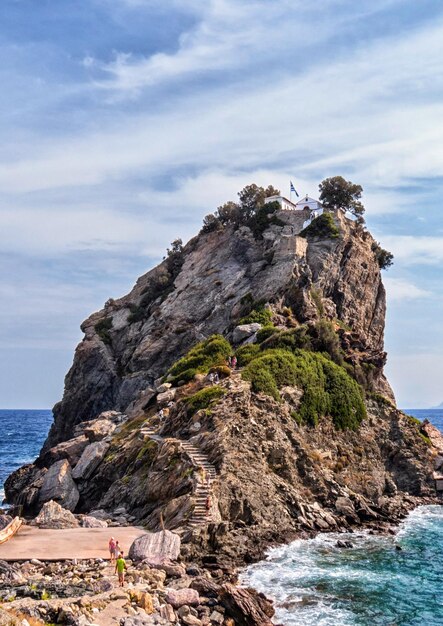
[[56, 545]]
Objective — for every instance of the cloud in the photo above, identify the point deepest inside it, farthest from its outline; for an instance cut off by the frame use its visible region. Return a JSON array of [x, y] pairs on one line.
[[415, 250], [399, 289]]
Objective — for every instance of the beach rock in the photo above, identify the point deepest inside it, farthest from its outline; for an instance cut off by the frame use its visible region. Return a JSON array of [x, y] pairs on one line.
[[6, 619], [247, 606], [345, 507], [180, 597], [70, 450], [142, 599], [244, 331], [167, 612], [205, 587], [52, 515], [59, 486], [90, 460], [161, 547], [93, 522]]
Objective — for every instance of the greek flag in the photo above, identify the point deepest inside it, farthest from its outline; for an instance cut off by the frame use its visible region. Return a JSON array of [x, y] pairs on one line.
[[294, 189]]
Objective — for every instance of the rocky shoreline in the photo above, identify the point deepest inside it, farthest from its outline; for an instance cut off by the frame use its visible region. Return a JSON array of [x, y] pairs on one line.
[[159, 589]]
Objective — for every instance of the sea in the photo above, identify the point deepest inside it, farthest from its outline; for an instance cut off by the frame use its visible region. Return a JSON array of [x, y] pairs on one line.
[[379, 581], [22, 435]]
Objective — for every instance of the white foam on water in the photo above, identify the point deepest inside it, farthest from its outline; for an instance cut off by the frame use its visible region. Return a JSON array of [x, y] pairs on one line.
[[301, 577]]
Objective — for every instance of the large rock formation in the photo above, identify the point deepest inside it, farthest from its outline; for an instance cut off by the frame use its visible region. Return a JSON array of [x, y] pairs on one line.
[[243, 470], [133, 340]]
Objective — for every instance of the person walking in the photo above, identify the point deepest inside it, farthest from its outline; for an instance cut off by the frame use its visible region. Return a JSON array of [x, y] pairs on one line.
[[120, 568], [234, 362], [117, 551], [111, 547]]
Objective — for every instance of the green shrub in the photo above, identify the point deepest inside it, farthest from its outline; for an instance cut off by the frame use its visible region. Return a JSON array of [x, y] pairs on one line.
[[263, 217], [316, 297], [289, 339], [383, 257], [327, 388], [137, 313], [325, 339], [258, 315], [322, 226], [222, 370], [184, 377], [204, 398], [206, 354], [245, 354], [102, 329], [266, 332]]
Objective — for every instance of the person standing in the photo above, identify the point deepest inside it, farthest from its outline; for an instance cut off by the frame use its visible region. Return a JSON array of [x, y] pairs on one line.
[[111, 546], [120, 568]]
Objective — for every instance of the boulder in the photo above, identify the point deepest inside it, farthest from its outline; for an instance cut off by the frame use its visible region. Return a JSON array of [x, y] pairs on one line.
[[58, 485], [52, 515], [92, 522], [166, 397], [246, 606], [244, 331], [90, 460], [345, 507], [70, 450], [167, 612], [164, 387], [205, 587], [99, 429], [161, 547], [181, 597], [143, 599]]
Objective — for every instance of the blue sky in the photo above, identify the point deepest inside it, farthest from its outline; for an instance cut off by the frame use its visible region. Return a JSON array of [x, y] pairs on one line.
[[124, 122]]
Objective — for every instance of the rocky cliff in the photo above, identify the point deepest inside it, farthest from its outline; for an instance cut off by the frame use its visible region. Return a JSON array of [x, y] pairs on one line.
[[222, 460]]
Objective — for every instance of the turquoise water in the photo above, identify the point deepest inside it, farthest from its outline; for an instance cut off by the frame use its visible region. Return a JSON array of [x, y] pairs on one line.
[[315, 583], [371, 584]]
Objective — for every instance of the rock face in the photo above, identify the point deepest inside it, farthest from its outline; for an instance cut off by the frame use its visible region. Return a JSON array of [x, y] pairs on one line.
[[240, 472], [220, 272], [90, 460], [161, 547], [52, 515], [58, 485]]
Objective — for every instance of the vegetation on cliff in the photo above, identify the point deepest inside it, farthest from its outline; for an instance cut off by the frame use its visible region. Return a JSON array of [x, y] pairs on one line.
[[200, 359], [327, 388], [322, 226]]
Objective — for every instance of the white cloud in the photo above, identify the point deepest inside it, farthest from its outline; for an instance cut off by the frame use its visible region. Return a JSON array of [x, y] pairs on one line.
[[399, 289], [414, 250], [291, 125]]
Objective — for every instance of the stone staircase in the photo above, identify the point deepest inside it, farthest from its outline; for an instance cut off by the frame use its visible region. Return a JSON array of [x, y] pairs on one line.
[[199, 516]]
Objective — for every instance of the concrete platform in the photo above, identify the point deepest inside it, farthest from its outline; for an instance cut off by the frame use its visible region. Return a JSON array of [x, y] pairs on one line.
[[71, 543]]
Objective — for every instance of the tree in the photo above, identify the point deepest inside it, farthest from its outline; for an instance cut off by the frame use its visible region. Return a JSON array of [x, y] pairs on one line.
[[228, 213], [383, 257], [252, 198], [338, 193], [175, 257], [211, 223]]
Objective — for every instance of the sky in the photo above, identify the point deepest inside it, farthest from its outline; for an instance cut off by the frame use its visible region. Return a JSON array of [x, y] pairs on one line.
[[124, 122]]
